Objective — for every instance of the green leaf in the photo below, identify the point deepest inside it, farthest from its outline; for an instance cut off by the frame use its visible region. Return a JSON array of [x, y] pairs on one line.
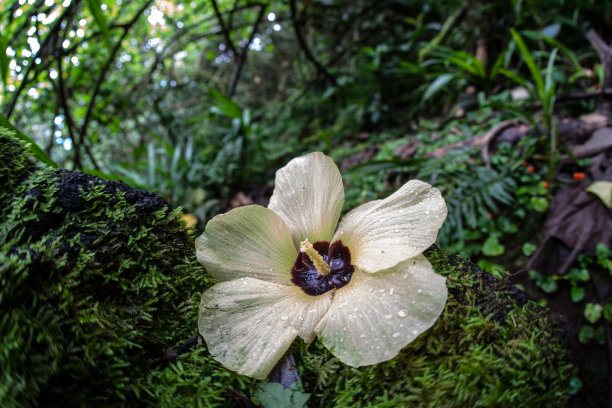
[[575, 384], [601, 250], [274, 395], [549, 285], [31, 145], [436, 85], [593, 312], [540, 204], [533, 68], [492, 247], [225, 105], [100, 20], [608, 312], [603, 190], [506, 226], [529, 248], [577, 293], [585, 334]]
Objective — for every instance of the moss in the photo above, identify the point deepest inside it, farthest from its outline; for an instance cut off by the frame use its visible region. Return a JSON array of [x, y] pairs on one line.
[[98, 280], [16, 164], [490, 348]]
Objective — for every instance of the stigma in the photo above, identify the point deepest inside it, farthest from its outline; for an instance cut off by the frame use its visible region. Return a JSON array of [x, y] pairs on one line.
[[316, 258]]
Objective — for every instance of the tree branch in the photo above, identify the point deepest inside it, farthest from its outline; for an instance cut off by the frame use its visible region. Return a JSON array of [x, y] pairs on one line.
[[44, 47], [107, 65], [304, 46], [224, 30], [242, 56]]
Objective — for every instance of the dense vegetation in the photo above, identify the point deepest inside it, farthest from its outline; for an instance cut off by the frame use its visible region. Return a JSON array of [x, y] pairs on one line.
[[200, 102]]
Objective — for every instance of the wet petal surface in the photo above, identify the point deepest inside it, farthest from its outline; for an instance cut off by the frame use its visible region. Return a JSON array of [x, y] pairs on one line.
[[308, 195], [248, 324], [250, 241], [383, 233], [376, 315]]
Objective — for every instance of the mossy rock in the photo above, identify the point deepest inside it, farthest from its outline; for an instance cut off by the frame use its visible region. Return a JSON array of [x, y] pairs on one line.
[[98, 281]]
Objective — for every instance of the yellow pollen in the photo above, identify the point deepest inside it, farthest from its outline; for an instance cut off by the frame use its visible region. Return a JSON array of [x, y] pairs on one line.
[[315, 257]]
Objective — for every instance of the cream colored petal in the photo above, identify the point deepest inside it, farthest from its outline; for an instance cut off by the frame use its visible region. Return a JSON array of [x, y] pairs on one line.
[[248, 324], [247, 241], [387, 232], [373, 317], [308, 195]]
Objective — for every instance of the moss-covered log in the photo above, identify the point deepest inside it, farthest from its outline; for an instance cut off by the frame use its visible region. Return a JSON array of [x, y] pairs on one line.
[[98, 281]]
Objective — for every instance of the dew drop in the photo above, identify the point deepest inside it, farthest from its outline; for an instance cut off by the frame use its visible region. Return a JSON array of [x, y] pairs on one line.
[[284, 317], [391, 291], [401, 313], [396, 334], [362, 336], [388, 316]]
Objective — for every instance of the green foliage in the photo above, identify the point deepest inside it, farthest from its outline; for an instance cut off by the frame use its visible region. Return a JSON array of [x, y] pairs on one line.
[[120, 284], [274, 395]]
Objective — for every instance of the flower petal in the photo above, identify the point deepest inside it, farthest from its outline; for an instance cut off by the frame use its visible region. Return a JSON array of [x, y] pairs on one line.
[[373, 317], [308, 195], [247, 241], [248, 324], [384, 233]]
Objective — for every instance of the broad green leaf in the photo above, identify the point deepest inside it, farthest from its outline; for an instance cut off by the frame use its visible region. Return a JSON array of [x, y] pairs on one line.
[[492, 247], [575, 384], [586, 333], [529, 248], [540, 204], [603, 190], [274, 395], [592, 312], [577, 293]]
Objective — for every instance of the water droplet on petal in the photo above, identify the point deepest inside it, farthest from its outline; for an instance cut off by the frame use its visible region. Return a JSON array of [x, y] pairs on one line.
[[391, 291], [284, 317], [401, 313], [388, 316], [396, 334]]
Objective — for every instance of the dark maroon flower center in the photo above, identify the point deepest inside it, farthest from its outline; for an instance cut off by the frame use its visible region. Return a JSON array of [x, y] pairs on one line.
[[305, 275]]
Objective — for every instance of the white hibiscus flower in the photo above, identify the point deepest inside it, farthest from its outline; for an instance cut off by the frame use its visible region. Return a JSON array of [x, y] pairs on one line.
[[364, 288]]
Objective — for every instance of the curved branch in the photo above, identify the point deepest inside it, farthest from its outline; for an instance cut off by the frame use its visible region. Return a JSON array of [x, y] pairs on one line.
[[304, 46], [224, 29], [243, 54]]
